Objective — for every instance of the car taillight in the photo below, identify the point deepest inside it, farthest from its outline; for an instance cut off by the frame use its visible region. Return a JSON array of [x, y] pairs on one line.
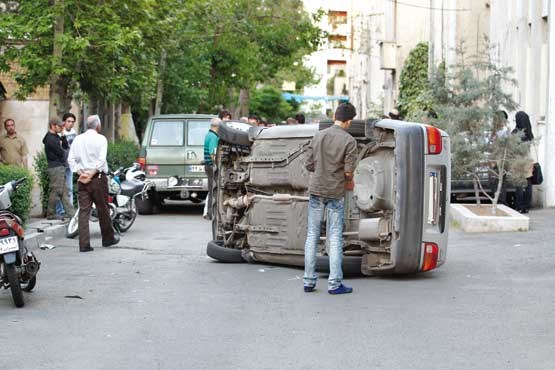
[[152, 169], [142, 162], [4, 232], [434, 140], [431, 253]]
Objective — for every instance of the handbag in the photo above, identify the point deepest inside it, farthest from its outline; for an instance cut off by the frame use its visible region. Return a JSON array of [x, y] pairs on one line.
[[537, 176]]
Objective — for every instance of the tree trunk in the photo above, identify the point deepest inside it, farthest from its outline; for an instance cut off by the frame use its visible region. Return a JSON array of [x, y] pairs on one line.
[[242, 109], [476, 191], [58, 85], [160, 84]]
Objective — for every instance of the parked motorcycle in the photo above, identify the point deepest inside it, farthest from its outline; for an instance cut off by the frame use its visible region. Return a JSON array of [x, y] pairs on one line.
[[18, 266], [123, 187]]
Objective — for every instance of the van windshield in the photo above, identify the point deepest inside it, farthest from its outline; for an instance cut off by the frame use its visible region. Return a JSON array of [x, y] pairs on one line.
[[196, 131], [167, 133]]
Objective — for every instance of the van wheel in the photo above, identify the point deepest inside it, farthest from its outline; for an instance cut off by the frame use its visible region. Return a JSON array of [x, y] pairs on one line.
[[234, 132], [217, 251], [351, 264]]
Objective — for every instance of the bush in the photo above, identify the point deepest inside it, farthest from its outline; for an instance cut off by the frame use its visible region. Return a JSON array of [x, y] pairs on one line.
[[413, 83], [21, 199], [122, 154]]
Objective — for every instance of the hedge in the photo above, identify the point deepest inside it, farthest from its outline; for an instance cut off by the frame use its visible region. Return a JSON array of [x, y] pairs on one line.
[[21, 198], [121, 154]]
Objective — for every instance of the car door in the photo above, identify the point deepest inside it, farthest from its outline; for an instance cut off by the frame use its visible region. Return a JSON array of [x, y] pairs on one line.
[[166, 149], [196, 130]]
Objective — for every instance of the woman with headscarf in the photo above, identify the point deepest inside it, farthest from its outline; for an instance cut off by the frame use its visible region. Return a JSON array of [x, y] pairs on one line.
[[523, 194]]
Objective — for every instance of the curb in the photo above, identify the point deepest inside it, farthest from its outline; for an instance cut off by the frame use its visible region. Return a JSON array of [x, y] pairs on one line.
[[42, 231]]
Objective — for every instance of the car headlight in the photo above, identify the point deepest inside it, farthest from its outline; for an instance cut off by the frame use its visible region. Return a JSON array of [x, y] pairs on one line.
[[172, 181]]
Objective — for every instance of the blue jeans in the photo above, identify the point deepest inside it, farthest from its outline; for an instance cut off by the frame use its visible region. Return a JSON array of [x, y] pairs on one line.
[[69, 182], [316, 207]]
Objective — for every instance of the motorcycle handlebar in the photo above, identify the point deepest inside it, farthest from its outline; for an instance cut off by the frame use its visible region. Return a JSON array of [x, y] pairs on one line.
[[19, 182]]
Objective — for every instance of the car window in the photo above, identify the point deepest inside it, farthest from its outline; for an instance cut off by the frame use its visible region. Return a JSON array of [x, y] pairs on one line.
[[196, 131], [167, 133]]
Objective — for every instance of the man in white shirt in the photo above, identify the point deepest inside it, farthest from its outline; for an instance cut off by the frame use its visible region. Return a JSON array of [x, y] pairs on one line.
[[87, 157]]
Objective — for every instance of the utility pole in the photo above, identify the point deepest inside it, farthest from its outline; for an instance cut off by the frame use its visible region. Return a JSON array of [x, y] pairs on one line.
[[431, 46]]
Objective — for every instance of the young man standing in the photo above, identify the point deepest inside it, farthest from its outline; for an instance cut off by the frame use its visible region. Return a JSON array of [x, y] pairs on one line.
[[331, 157], [12, 147], [70, 134], [55, 147]]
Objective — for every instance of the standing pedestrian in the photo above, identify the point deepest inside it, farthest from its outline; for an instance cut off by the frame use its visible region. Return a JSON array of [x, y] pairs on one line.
[[210, 144], [70, 134], [331, 157], [224, 115], [523, 194], [87, 157], [13, 148], [55, 145]]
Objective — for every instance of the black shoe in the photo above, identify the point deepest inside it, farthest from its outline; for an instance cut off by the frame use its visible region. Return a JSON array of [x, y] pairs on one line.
[[87, 249], [111, 242]]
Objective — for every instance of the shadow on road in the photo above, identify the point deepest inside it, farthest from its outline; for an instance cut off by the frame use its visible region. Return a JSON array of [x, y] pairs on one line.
[[181, 208]]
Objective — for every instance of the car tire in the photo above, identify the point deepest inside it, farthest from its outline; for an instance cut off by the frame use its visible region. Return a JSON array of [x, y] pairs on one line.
[[350, 266], [234, 132], [217, 251], [357, 128]]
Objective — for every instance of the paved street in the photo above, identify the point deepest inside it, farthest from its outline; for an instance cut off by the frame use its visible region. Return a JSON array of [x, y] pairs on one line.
[[157, 302]]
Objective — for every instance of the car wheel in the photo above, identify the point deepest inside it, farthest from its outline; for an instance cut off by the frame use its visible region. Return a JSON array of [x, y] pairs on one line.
[[234, 132], [217, 251], [351, 265]]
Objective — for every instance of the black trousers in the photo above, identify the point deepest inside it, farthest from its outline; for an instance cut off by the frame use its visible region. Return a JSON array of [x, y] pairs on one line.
[[523, 196], [95, 191]]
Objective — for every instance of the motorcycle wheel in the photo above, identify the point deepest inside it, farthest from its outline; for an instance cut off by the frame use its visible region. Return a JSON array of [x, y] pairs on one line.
[[15, 287], [125, 221], [30, 285], [73, 226]]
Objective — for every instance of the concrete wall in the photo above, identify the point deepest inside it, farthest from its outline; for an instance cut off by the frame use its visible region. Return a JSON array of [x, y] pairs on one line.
[[31, 122], [521, 30]]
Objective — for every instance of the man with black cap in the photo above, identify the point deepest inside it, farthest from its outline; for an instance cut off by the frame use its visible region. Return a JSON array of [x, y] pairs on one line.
[[55, 145], [331, 157]]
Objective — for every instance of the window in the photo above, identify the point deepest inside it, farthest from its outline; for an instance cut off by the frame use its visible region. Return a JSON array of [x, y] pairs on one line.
[[167, 133], [196, 131], [337, 17], [338, 41]]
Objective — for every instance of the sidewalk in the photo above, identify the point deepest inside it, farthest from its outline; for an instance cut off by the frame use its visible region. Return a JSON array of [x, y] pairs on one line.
[[42, 231]]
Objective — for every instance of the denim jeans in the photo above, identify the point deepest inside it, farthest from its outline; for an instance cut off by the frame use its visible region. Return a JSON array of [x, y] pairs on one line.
[[316, 207], [69, 183]]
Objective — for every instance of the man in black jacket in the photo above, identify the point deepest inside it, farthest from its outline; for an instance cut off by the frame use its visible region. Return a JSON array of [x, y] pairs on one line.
[[55, 145]]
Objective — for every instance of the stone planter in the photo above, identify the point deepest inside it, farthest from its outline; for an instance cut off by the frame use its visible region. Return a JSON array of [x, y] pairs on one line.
[[481, 221]]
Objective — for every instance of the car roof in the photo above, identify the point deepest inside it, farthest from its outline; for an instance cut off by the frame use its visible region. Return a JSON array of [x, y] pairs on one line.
[[183, 116]]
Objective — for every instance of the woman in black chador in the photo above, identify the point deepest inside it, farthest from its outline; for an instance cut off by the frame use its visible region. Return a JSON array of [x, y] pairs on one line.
[[523, 194]]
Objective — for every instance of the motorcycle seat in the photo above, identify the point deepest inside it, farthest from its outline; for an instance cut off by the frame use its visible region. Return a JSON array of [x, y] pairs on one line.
[[131, 187]]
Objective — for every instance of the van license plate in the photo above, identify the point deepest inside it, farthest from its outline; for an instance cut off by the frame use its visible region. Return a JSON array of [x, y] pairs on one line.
[[195, 168], [9, 244]]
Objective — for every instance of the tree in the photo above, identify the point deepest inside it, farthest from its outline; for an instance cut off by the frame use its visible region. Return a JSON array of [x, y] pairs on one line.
[[268, 103], [468, 98], [413, 83]]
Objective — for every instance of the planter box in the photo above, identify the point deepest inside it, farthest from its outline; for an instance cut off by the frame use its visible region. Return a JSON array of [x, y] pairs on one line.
[[507, 219]]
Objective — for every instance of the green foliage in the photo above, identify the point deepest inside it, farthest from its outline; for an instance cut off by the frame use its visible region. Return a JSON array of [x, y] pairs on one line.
[[413, 83], [270, 105], [467, 99], [21, 198], [41, 169], [122, 154]]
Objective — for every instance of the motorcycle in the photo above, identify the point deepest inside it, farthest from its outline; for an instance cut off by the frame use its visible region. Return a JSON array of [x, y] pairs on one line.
[[123, 187], [18, 266]]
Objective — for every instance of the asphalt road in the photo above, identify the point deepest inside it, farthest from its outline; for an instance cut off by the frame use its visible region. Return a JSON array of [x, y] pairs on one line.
[[157, 302]]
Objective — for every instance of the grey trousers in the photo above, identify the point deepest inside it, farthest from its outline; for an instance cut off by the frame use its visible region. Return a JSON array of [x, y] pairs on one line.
[[58, 191]]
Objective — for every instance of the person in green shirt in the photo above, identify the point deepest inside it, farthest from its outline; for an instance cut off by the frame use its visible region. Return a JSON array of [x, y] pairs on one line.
[[210, 144]]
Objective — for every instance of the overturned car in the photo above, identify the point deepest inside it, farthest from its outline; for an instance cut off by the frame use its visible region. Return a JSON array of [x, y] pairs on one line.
[[395, 218]]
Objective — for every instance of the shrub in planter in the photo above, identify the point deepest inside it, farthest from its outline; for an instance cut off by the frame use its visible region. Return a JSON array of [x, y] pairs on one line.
[[21, 199], [122, 154]]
